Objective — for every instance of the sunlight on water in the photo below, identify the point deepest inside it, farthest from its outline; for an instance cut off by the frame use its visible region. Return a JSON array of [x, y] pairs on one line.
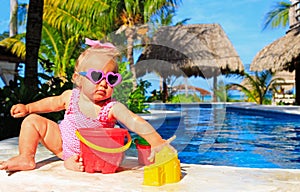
[[219, 136]]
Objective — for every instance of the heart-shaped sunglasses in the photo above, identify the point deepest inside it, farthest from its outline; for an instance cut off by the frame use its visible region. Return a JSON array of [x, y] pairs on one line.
[[96, 76]]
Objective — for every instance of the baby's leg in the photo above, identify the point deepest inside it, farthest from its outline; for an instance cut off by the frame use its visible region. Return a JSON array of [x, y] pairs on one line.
[[34, 128]]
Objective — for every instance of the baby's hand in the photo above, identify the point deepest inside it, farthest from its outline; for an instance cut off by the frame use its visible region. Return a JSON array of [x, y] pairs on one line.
[[18, 110], [157, 149]]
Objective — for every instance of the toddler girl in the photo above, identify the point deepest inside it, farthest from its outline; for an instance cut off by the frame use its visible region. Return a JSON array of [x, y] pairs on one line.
[[89, 104]]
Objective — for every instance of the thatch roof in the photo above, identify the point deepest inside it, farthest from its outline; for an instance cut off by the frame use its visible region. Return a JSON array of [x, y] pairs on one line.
[[202, 91], [7, 67], [285, 79], [279, 55], [189, 50], [286, 76]]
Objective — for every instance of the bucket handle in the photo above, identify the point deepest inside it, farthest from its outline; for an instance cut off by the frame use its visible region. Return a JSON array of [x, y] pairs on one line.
[[103, 149]]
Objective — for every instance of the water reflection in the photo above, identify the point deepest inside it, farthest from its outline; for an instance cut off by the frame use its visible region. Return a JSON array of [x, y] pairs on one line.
[[218, 136]]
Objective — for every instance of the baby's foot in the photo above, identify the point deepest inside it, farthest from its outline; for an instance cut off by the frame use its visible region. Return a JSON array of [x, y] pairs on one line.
[[74, 163], [18, 163]]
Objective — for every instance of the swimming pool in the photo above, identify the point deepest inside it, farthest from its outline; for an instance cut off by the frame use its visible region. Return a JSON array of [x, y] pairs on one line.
[[219, 135]]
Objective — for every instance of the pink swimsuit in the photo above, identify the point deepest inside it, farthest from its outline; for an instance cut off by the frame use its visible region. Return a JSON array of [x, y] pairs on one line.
[[74, 119]]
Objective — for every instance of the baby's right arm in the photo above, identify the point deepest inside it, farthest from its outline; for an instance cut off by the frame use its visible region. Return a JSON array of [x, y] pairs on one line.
[[49, 104]]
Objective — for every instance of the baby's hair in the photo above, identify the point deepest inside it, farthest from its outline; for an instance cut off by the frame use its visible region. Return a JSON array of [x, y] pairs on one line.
[[111, 53]]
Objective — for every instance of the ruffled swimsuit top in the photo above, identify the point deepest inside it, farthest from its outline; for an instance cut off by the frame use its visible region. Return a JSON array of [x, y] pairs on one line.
[[75, 119]]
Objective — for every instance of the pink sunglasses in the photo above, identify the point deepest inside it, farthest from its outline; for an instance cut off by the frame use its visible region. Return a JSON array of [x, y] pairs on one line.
[[96, 76]]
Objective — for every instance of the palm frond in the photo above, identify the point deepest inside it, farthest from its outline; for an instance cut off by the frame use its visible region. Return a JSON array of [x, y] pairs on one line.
[[73, 16], [279, 16], [255, 86], [16, 45]]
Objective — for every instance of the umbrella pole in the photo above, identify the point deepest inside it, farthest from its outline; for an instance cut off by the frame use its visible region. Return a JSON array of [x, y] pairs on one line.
[[165, 91], [297, 82], [215, 80]]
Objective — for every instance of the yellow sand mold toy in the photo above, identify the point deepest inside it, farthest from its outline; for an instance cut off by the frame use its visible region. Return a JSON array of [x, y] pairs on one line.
[[166, 169]]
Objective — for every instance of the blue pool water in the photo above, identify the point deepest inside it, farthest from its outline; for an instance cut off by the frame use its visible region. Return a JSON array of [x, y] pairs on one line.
[[223, 136]]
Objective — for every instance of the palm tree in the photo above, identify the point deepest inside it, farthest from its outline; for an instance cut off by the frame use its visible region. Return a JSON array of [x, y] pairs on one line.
[[135, 15], [65, 23], [64, 26], [279, 16], [13, 23], [256, 86]]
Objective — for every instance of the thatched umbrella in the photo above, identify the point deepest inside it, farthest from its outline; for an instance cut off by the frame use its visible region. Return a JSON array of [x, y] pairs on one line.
[[281, 55], [189, 50], [8, 65], [203, 92], [284, 53]]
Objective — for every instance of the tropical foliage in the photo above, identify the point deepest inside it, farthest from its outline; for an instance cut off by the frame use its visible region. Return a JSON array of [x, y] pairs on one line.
[[122, 91], [67, 23], [183, 98], [18, 92], [134, 18], [137, 98], [255, 87], [278, 16], [64, 26]]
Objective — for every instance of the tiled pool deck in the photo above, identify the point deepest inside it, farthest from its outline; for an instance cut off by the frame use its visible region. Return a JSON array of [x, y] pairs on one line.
[[51, 175]]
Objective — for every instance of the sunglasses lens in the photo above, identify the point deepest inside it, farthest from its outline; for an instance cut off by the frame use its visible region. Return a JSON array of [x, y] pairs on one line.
[[112, 79], [96, 76]]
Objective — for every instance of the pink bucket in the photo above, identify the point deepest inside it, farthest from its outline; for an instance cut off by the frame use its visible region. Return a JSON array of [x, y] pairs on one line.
[[102, 149]]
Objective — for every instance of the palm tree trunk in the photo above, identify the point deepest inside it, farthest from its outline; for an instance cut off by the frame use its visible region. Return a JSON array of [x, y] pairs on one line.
[[33, 39], [13, 26], [129, 35], [13, 23]]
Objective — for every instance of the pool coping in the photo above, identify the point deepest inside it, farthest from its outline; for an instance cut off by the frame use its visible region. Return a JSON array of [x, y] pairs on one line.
[[242, 106], [291, 111], [161, 114]]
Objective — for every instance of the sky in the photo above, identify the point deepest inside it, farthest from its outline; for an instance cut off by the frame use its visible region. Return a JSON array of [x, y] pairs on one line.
[[242, 21]]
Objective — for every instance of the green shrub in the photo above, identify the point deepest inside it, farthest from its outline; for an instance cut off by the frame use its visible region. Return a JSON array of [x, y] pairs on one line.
[[123, 90], [17, 92], [182, 98], [137, 98]]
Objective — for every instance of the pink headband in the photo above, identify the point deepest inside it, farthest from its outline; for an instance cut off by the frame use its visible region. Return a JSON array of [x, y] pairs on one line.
[[97, 44]]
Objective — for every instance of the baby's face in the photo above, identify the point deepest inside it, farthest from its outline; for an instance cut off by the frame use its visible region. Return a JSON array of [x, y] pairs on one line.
[[101, 91]]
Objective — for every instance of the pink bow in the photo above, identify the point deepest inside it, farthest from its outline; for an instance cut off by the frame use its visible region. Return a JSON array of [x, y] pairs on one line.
[[97, 44]]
